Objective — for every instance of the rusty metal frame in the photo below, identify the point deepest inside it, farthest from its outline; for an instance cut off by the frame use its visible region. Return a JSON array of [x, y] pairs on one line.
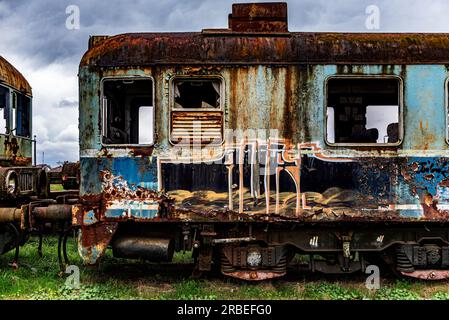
[[366, 76], [135, 77], [195, 77]]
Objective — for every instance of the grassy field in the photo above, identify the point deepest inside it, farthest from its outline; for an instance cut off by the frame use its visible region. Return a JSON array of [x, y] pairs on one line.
[[56, 187], [38, 278]]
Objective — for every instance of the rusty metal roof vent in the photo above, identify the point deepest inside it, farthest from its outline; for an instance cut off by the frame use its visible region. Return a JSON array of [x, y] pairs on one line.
[[259, 17]]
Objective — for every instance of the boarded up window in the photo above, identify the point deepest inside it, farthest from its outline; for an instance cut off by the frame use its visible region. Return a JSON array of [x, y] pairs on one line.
[[363, 110], [196, 115], [128, 111]]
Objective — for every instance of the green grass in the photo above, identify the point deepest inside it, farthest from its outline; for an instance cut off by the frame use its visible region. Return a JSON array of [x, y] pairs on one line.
[[56, 187], [39, 278]]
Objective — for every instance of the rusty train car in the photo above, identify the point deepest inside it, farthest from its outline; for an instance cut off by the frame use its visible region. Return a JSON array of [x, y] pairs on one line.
[[26, 204], [251, 144], [19, 179]]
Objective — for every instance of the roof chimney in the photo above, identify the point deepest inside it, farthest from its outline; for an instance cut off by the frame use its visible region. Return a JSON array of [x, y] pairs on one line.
[[259, 17]]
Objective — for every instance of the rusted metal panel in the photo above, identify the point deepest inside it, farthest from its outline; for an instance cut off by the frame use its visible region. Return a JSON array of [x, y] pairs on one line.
[[15, 151], [149, 49], [263, 10], [13, 78], [258, 17], [93, 241]]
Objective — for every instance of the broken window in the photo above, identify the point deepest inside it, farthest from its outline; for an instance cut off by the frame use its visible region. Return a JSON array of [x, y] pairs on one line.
[[4, 106], [197, 116], [363, 110], [128, 111], [22, 116]]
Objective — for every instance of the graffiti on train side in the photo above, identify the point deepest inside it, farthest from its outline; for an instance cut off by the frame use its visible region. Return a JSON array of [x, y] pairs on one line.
[[262, 177], [276, 177]]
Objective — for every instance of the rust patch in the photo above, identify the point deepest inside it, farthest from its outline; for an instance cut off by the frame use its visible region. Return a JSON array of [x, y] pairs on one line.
[[428, 274], [11, 146], [95, 239], [104, 153], [77, 215], [208, 48], [259, 17], [141, 152], [444, 183], [91, 199], [13, 78], [254, 275], [116, 188]]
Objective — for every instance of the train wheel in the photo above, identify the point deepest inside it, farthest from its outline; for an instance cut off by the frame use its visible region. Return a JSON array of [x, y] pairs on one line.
[[254, 262], [426, 261]]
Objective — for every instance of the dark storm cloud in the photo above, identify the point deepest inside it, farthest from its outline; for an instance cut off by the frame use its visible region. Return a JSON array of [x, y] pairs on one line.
[[34, 38], [38, 27]]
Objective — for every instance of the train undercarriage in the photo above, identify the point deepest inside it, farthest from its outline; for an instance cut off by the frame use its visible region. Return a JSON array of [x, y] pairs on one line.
[[261, 251]]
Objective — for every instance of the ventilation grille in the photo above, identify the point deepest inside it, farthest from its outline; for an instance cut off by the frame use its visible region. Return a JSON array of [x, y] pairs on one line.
[[197, 127], [26, 181]]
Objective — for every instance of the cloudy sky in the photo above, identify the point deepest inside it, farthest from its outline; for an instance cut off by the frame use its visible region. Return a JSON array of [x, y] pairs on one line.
[[34, 38]]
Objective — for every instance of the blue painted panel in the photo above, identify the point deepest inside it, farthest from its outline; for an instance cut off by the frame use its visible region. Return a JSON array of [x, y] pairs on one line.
[[136, 171], [424, 98]]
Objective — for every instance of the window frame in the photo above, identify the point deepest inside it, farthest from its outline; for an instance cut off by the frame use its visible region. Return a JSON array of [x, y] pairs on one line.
[[8, 105], [220, 109], [365, 144], [12, 112], [101, 110], [16, 113]]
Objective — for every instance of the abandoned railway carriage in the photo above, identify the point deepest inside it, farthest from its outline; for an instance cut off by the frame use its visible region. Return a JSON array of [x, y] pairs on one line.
[[252, 144], [20, 181]]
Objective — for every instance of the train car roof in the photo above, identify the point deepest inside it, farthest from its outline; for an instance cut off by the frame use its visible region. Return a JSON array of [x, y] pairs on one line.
[[224, 47], [11, 77]]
